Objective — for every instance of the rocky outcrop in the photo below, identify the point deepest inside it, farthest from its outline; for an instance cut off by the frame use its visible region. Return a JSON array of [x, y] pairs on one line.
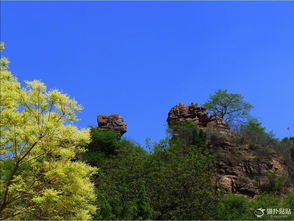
[[240, 168], [245, 170], [195, 114], [112, 122]]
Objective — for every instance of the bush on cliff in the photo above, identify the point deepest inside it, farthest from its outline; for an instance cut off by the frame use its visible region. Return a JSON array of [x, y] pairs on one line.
[[253, 133]]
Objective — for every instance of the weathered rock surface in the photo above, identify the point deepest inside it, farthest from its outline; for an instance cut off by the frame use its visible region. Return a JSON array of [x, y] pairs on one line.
[[112, 122], [198, 115], [240, 168], [244, 170]]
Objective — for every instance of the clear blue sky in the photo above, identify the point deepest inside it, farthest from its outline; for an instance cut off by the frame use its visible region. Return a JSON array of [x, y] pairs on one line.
[[139, 59]]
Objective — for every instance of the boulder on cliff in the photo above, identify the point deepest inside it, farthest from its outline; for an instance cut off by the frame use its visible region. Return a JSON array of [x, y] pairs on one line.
[[195, 114], [112, 122]]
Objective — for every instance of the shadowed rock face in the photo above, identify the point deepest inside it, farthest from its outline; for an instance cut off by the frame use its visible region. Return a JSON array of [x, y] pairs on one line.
[[243, 170], [198, 115], [112, 122]]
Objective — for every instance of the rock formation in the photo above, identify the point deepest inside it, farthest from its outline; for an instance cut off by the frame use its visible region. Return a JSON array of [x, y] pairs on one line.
[[198, 115], [240, 168], [112, 122]]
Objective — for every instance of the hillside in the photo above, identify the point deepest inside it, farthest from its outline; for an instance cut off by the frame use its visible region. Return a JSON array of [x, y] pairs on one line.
[[241, 167], [203, 165]]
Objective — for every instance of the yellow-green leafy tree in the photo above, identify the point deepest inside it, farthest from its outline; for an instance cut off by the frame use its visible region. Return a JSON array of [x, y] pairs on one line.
[[41, 176]]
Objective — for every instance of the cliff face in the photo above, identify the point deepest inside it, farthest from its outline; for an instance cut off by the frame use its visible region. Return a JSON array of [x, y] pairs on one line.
[[241, 168], [244, 169]]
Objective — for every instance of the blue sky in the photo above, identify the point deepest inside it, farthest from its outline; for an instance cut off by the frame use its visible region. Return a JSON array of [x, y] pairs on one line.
[[139, 59]]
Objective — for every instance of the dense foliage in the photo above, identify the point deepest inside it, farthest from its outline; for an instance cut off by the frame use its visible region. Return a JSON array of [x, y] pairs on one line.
[[120, 187], [172, 182], [238, 207], [40, 176]]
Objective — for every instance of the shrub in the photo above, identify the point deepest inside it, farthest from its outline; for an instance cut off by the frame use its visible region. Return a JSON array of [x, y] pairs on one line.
[[253, 133], [265, 201], [289, 201], [214, 136], [104, 141], [285, 148], [232, 207], [275, 183]]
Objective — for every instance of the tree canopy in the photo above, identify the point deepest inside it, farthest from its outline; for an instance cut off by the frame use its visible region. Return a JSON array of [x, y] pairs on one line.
[[172, 182], [41, 177], [229, 106]]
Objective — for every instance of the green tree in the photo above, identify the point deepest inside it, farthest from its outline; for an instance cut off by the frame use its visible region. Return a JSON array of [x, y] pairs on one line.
[[231, 107], [253, 132], [40, 175], [104, 141], [120, 181], [144, 209], [179, 177]]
